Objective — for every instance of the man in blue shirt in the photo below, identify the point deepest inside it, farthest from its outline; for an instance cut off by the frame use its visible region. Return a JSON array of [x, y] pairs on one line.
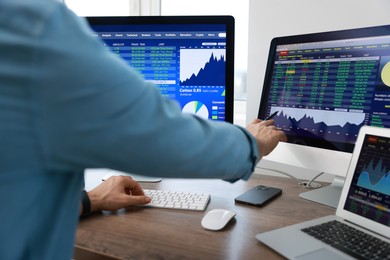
[[66, 104]]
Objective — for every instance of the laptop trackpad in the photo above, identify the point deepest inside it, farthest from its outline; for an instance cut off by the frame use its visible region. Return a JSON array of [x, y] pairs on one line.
[[321, 254]]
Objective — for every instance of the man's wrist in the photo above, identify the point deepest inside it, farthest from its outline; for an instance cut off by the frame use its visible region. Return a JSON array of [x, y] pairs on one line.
[[86, 203]]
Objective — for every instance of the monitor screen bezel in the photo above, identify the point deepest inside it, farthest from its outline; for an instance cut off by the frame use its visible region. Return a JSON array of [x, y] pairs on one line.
[[227, 20], [374, 31]]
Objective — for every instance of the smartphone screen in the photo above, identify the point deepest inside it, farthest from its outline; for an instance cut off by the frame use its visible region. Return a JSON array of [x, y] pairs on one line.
[[259, 195]]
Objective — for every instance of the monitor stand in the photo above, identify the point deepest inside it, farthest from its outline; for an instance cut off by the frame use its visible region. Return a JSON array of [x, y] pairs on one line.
[[328, 195]]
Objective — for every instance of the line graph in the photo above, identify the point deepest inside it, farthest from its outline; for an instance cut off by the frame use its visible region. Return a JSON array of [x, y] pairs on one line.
[[374, 165], [330, 118], [335, 126], [375, 178], [202, 66]]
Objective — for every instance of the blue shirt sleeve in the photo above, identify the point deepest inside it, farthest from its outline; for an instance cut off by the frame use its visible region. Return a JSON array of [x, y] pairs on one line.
[[68, 103], [97, 112]]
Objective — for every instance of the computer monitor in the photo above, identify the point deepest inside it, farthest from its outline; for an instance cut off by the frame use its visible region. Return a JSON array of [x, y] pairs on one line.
[[189, 58], [325, 86]]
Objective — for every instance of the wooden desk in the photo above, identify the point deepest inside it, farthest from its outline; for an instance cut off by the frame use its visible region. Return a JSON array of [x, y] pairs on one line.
[[151, 233]]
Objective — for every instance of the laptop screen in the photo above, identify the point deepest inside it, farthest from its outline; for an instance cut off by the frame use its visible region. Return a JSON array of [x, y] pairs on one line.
[[369, 193], [190, 59]]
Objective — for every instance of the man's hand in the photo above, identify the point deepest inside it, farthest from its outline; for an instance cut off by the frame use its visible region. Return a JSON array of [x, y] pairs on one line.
[[266, 134], [117, 192]]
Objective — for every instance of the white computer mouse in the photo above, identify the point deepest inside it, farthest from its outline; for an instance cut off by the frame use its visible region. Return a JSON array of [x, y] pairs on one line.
[[216, 219]]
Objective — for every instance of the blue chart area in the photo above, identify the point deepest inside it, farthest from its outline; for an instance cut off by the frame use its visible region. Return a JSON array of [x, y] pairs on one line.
[[331, 125], [376, 178], [202, 67]]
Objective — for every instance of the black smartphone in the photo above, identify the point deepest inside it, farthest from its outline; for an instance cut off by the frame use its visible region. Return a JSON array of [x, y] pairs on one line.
[[258, 196]]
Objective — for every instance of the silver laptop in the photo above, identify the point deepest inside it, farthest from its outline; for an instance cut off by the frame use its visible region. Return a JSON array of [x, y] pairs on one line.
[[364, 207]]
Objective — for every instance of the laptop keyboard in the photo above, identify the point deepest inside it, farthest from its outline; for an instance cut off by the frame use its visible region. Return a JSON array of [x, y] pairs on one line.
[[349, 240], [177, 199]]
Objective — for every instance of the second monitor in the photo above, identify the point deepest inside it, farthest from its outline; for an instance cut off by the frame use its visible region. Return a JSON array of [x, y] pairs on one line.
[[325, 86]]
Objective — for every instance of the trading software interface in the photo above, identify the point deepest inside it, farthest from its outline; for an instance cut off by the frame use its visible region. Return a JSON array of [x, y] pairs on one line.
[[186, 62], [327, 90], [369, 195]]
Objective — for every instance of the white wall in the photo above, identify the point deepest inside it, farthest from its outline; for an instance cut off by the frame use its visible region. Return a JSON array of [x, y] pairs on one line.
[[114, 8], [271, 18]]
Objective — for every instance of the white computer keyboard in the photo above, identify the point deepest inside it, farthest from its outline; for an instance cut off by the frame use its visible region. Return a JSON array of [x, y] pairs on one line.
[[177, 199]]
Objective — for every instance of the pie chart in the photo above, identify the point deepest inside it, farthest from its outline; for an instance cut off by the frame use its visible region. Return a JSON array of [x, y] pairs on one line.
[[385, 74], [197, 108]]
